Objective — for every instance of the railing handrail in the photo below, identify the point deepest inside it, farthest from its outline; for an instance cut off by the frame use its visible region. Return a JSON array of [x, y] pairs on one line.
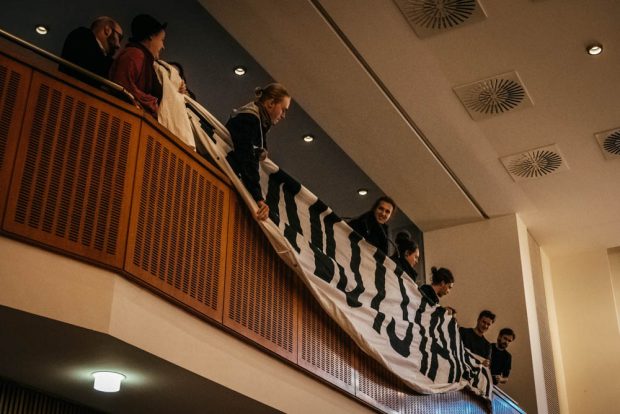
[[50, 56]]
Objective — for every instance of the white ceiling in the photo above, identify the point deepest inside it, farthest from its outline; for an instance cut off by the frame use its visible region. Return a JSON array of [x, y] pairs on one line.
[[360, 71]]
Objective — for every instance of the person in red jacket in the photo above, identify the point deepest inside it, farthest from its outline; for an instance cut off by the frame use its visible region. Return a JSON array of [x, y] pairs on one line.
[[133, 68]]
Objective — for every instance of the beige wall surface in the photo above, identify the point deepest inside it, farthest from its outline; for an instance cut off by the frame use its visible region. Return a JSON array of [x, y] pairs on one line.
[[614, 263], [588, 330], [486, 262], [57, 287]]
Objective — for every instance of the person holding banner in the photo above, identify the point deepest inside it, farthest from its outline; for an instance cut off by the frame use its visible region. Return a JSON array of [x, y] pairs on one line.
[[248, 127], [441, 283], [372, 225], [474, 340], [407, 254]]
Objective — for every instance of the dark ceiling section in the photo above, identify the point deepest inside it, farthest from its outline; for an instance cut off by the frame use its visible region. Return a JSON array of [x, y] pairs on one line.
[[209, 54], [64, 361]]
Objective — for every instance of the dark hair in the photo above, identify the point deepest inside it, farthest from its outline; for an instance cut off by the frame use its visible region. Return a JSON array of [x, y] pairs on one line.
[[179, 68], [508, 331], [273, 91], [441, 275], [385, 199], [143, 26], [404, 244], [487, 314]]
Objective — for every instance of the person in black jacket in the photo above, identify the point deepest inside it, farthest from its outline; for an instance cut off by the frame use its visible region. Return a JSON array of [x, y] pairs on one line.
[[372, 225], [441, 283], [93, 49], [248, 127], [407, 254]]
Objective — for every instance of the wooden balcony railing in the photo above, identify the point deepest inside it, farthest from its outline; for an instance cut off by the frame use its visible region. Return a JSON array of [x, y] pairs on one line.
[[87, 175]]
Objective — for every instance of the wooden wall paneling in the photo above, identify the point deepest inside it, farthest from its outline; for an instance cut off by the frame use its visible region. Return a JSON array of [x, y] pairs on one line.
[[377, 386], [14, 85], [324, 348], [15, 399], [179, 224], [457, 402], [261, 291], [73, 173]]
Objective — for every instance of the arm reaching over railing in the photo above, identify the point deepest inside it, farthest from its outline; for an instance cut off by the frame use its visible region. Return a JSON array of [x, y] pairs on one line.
[[356, 284]]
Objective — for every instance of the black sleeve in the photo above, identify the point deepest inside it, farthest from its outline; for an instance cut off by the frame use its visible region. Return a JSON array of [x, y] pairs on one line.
[[359, 225], [81, 48], [508, 366], [245, 132]]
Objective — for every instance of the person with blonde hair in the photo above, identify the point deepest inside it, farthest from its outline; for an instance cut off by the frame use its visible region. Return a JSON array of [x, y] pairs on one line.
[[248, 127]]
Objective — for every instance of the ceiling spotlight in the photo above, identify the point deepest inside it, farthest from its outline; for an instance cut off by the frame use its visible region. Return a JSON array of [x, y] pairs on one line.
[[362, 192], [308, 138], [106, 381], [41, 29], [240, 70], [594, 49]]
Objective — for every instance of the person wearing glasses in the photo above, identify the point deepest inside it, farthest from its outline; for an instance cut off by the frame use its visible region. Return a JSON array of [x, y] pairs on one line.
[[93, 49]]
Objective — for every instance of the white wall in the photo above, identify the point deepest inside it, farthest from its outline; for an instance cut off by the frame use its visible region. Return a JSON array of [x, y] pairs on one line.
[[486, 261], [588, 330]]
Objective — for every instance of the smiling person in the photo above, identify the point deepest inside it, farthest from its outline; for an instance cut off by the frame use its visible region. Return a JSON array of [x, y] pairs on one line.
[[474, 340], [372, 225], [133, 68], [248, 127]]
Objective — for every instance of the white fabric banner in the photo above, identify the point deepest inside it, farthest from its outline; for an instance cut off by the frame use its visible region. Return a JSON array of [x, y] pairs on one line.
[[357, 285]]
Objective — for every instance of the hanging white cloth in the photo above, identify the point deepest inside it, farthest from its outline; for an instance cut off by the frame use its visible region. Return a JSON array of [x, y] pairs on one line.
[[172, 113]]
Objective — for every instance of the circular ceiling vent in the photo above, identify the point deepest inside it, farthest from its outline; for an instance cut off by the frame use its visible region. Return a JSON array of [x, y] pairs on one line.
[[439, 14], [494, 96], [535, 164], [611, 144]]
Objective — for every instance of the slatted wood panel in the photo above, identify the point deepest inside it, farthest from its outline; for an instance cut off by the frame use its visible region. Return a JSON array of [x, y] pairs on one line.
[[14, 83], [15, 399], [72, 182], [179, 223], [324, 348], [459, 402], [261, 291], [378, 387]]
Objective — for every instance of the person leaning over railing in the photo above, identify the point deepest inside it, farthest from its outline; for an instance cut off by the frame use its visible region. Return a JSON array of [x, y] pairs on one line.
[[93, 49], [133, 68], [442, 281], [407, 254], [248, 127], [373, 226], [474, 340]]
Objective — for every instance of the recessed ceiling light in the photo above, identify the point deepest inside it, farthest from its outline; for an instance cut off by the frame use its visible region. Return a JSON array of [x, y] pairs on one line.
[[240, 70], [107, 381], [362, 192], [594, 49], [41, 29], [308, 138]]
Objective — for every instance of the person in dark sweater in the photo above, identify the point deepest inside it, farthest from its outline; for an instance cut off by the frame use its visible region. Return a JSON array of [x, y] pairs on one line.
[[474, 340], [248, 127], [407, 255], [372, 225], [501, 360], [92, 48], [441, 283]]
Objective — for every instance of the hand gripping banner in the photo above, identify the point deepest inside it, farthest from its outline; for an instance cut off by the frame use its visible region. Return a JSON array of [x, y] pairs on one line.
[[356, 284]]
